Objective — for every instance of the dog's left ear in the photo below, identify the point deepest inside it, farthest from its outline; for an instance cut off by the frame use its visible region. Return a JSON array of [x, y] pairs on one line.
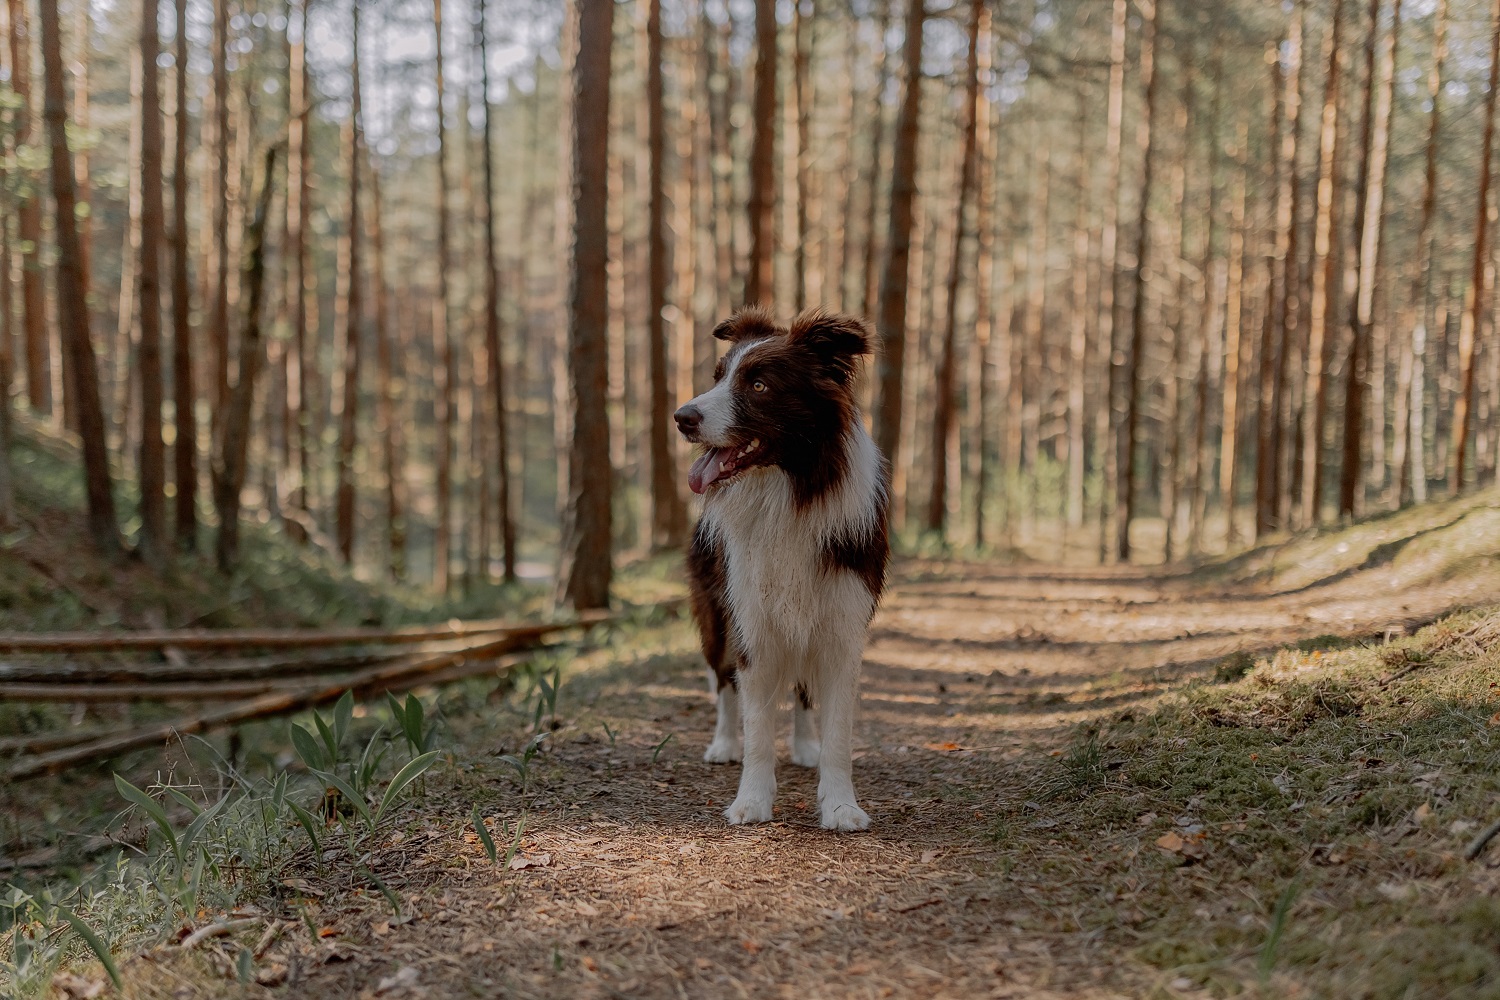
[[837, 338]]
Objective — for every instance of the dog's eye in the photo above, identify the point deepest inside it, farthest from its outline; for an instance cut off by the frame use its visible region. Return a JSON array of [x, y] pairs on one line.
[[758, 386]]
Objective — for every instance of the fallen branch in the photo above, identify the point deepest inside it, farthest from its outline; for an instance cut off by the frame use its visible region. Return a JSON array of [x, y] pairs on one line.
[[399, 676], [219, 928], [1476, 846], [154, 639]]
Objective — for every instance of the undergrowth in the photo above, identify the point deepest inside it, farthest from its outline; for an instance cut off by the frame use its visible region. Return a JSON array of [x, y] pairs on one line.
[[1297, 823]]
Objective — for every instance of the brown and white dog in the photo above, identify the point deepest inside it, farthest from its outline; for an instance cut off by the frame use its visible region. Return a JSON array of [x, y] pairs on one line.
[[788, 561]]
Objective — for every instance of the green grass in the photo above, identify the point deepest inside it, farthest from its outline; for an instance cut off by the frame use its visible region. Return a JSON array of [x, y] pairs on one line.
[[1310, 769]]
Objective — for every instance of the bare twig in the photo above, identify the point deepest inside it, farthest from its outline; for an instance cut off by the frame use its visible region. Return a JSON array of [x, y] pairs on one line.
[[1478, 843], [218, 928]]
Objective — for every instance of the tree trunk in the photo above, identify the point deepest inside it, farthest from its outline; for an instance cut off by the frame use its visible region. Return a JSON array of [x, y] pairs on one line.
[[1410, 475], [391, 428], [942, 420], [185, 447], [1130, 374], [353, 316], [759, 282], [1382, 76], [232, 453], [891, 319], [445, 356], [1281, 273], [1172, 418], [73, 317], [1229, 421], [219, 320], [980, 359], [868, 286], [1473, 317], [29, 219], [1108, 267], [1325, 273], [298, 208], [1078, 330], [586, 564], [504, 514], [153, 541]]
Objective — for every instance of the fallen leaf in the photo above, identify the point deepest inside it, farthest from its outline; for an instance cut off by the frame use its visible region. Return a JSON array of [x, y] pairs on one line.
[[947, 746], [324, 932], [1422, 812], [380, 928], [753, 947], [928, 857], [1170, 842], [588, 910], [1495, 719], [590, 964], [703, 963], [1146, 819], [539, 861], [77, 987]]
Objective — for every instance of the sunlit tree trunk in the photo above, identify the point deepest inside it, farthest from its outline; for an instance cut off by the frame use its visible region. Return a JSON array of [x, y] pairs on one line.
[[1380, 86], [1130, 374], [219, 319], [1108, 268], [1234, 284], [891, 317], [153, 542], [73, 317], [29, 219], [1324, 277], [1475, 304], [586, 568], [1407, 463], [868, 286]]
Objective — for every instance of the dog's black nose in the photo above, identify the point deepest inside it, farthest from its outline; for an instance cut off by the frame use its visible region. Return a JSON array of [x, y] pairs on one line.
[[688, 418]]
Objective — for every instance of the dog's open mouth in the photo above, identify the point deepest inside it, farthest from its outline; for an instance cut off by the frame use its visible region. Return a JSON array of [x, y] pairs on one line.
[[719, 465]]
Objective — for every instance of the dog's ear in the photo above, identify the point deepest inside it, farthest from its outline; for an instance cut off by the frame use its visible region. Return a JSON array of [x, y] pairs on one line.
[[837, 338], [747, 323]]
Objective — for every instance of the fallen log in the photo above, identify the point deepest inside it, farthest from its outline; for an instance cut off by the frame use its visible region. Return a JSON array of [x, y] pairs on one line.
[[392, 677], [155, 639], [259, 668]]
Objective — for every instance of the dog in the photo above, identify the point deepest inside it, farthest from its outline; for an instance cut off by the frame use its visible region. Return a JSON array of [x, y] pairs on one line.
[[788, 561]]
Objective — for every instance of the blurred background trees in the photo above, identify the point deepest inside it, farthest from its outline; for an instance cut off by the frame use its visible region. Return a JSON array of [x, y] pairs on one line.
[[1151, 278]]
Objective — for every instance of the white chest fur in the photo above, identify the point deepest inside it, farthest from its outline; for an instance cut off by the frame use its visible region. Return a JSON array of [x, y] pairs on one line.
[[780, 591]]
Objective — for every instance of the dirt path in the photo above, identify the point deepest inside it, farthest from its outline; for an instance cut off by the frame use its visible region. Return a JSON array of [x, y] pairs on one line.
[[635, 887]]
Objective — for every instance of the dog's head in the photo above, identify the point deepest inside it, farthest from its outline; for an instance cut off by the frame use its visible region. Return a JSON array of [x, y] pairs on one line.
[[782, 396]]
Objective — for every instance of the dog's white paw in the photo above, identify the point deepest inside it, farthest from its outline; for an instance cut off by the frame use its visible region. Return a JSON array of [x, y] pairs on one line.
[[844, 816], [722, 751], [806, 754], [743, 810]]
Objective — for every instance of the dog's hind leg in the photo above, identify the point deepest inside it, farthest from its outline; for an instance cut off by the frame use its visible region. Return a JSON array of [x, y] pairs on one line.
[[805, 748], [726, 746]]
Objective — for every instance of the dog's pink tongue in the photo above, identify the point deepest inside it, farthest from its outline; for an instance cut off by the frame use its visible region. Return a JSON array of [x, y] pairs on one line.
[[706, 469]]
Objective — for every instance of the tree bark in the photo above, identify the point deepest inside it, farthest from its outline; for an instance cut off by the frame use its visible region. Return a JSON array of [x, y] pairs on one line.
[[298, 209], [390, 429], [586, 567], [891, 320], [1234, 285], [1108, 267], [759, 281], [219, 320], [185, 447], [1380, 86], [353, 310], [153, 542], [232, 453], [29, 220], [1410, 473], [504, 514], [981, 359], [942, 419], [1473, 316], [73, 317], [1324, 284], [1130, 374], [445, 356], [868, 286]]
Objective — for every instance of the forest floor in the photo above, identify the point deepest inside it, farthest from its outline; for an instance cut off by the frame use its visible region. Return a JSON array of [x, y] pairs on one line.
[[1257, 778]]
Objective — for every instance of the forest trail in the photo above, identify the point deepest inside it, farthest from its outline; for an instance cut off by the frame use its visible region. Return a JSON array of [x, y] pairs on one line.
[[975, 680]]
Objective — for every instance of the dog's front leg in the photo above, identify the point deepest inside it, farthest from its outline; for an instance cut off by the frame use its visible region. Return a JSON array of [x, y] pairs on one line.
[[758, 690], [837, 701], [725, 747]]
